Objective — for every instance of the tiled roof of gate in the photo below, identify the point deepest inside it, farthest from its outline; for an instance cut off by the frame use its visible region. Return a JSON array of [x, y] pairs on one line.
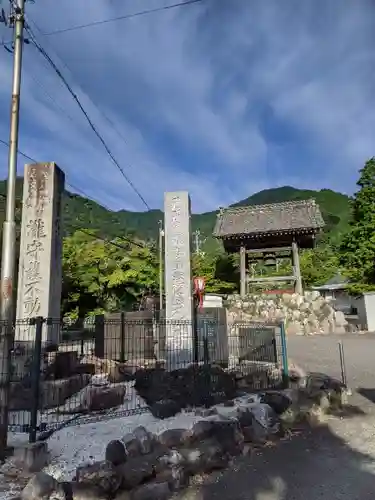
[[290, 216]]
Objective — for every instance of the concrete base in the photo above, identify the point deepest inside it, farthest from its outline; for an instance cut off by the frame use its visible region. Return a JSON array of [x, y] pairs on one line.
[[32, 457]]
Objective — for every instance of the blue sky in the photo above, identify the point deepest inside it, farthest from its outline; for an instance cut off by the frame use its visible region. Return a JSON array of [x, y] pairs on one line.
[[222, 98]]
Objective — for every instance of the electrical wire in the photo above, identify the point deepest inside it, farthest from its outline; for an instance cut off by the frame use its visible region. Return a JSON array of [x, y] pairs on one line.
[[84, 194], [84, 91], [120, 18], [90, 122], [68, 183]]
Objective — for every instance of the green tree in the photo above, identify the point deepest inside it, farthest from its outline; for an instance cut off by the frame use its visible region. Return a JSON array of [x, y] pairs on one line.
[[105, 276], [220, 271], [357, 249], [318, 265]]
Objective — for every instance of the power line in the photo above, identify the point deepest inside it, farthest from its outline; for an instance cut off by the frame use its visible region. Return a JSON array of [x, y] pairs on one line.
[[120, 18], [79, 84], [68, 183], [129, 240], [98, 237], [90, 122]]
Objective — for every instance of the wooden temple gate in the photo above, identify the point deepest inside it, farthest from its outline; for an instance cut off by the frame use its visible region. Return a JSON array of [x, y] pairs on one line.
[[265, 231]]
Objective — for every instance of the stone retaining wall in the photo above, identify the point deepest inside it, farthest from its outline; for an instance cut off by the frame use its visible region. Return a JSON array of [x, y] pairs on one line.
[[303, 314]]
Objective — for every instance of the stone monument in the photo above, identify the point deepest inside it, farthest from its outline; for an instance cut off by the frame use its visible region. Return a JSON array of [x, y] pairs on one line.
[[40, 263], [178, 280]]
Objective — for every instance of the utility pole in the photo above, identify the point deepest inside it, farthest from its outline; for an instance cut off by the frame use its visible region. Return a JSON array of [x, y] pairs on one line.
[[198, 242], [161, 269], [16, 20]]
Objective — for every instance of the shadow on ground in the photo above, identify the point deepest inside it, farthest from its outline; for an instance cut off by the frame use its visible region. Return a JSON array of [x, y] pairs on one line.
[[315, 464], [369, 394]]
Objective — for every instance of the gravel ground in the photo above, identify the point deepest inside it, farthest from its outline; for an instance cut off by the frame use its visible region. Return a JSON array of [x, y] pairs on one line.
[[336, 461]]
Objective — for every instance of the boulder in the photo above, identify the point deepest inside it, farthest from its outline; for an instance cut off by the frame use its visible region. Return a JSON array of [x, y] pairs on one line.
[[98, 398], [102, 365], [145, 438], [196, 385], [115, 452], [277, 400], [165, 408], [205, 456], [227, 432], [120, 372], [53, 393], [61, 364], [173, 438], [102, 475], [40, 487], [139, 442], [340, 319], [136, 471], [152, 491], [177, 477], [258, 422], [80, 491]]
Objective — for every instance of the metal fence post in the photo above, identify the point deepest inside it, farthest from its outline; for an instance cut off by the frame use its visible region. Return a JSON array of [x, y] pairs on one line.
[[35, 378], [206, 354], [122, 338], [195, 331], [284, 353]]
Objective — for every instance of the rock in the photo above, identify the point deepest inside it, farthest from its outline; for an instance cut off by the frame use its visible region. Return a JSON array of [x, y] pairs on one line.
[[177, 478], [139, 442], [205, 456], [173, 438], [87, 368], [40, 487], [33, 456], [116, 452], [99, 398], [196, 385], [277, 400], [145, 438], [258, 422], [120, 372], [294, 328], [153, 385], [102, 366], [102, 475], [205, 412], [340, 319], [61, 364], [165, 408], [136, 471], [81, 491], [132, 445], [228, 433], [53, 393], [152, 491], [167, 459]]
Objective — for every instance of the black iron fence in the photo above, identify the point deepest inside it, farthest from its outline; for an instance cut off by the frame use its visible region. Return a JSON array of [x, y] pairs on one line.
[[113, 366]]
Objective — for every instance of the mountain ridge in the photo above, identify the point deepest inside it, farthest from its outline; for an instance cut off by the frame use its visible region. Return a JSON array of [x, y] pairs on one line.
[[81, 212]]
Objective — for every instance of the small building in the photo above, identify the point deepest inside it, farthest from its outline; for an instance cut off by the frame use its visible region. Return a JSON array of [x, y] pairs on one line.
[[261, 231], [336, 290]]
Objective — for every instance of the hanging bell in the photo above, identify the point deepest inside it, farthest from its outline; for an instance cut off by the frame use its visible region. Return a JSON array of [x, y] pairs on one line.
[[270, 260]]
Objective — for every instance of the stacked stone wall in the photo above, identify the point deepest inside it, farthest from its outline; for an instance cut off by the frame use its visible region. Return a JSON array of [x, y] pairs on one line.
[[303, 314]]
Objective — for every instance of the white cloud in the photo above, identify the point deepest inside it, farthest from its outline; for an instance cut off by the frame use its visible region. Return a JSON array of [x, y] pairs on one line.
[[202, 95]]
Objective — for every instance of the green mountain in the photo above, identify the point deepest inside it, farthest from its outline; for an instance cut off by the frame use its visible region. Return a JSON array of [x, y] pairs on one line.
[[80, 212]]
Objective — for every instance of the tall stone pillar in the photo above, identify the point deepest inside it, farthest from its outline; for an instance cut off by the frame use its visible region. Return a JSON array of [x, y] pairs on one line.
[[40, 264], [296, 268], [178, 280]]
